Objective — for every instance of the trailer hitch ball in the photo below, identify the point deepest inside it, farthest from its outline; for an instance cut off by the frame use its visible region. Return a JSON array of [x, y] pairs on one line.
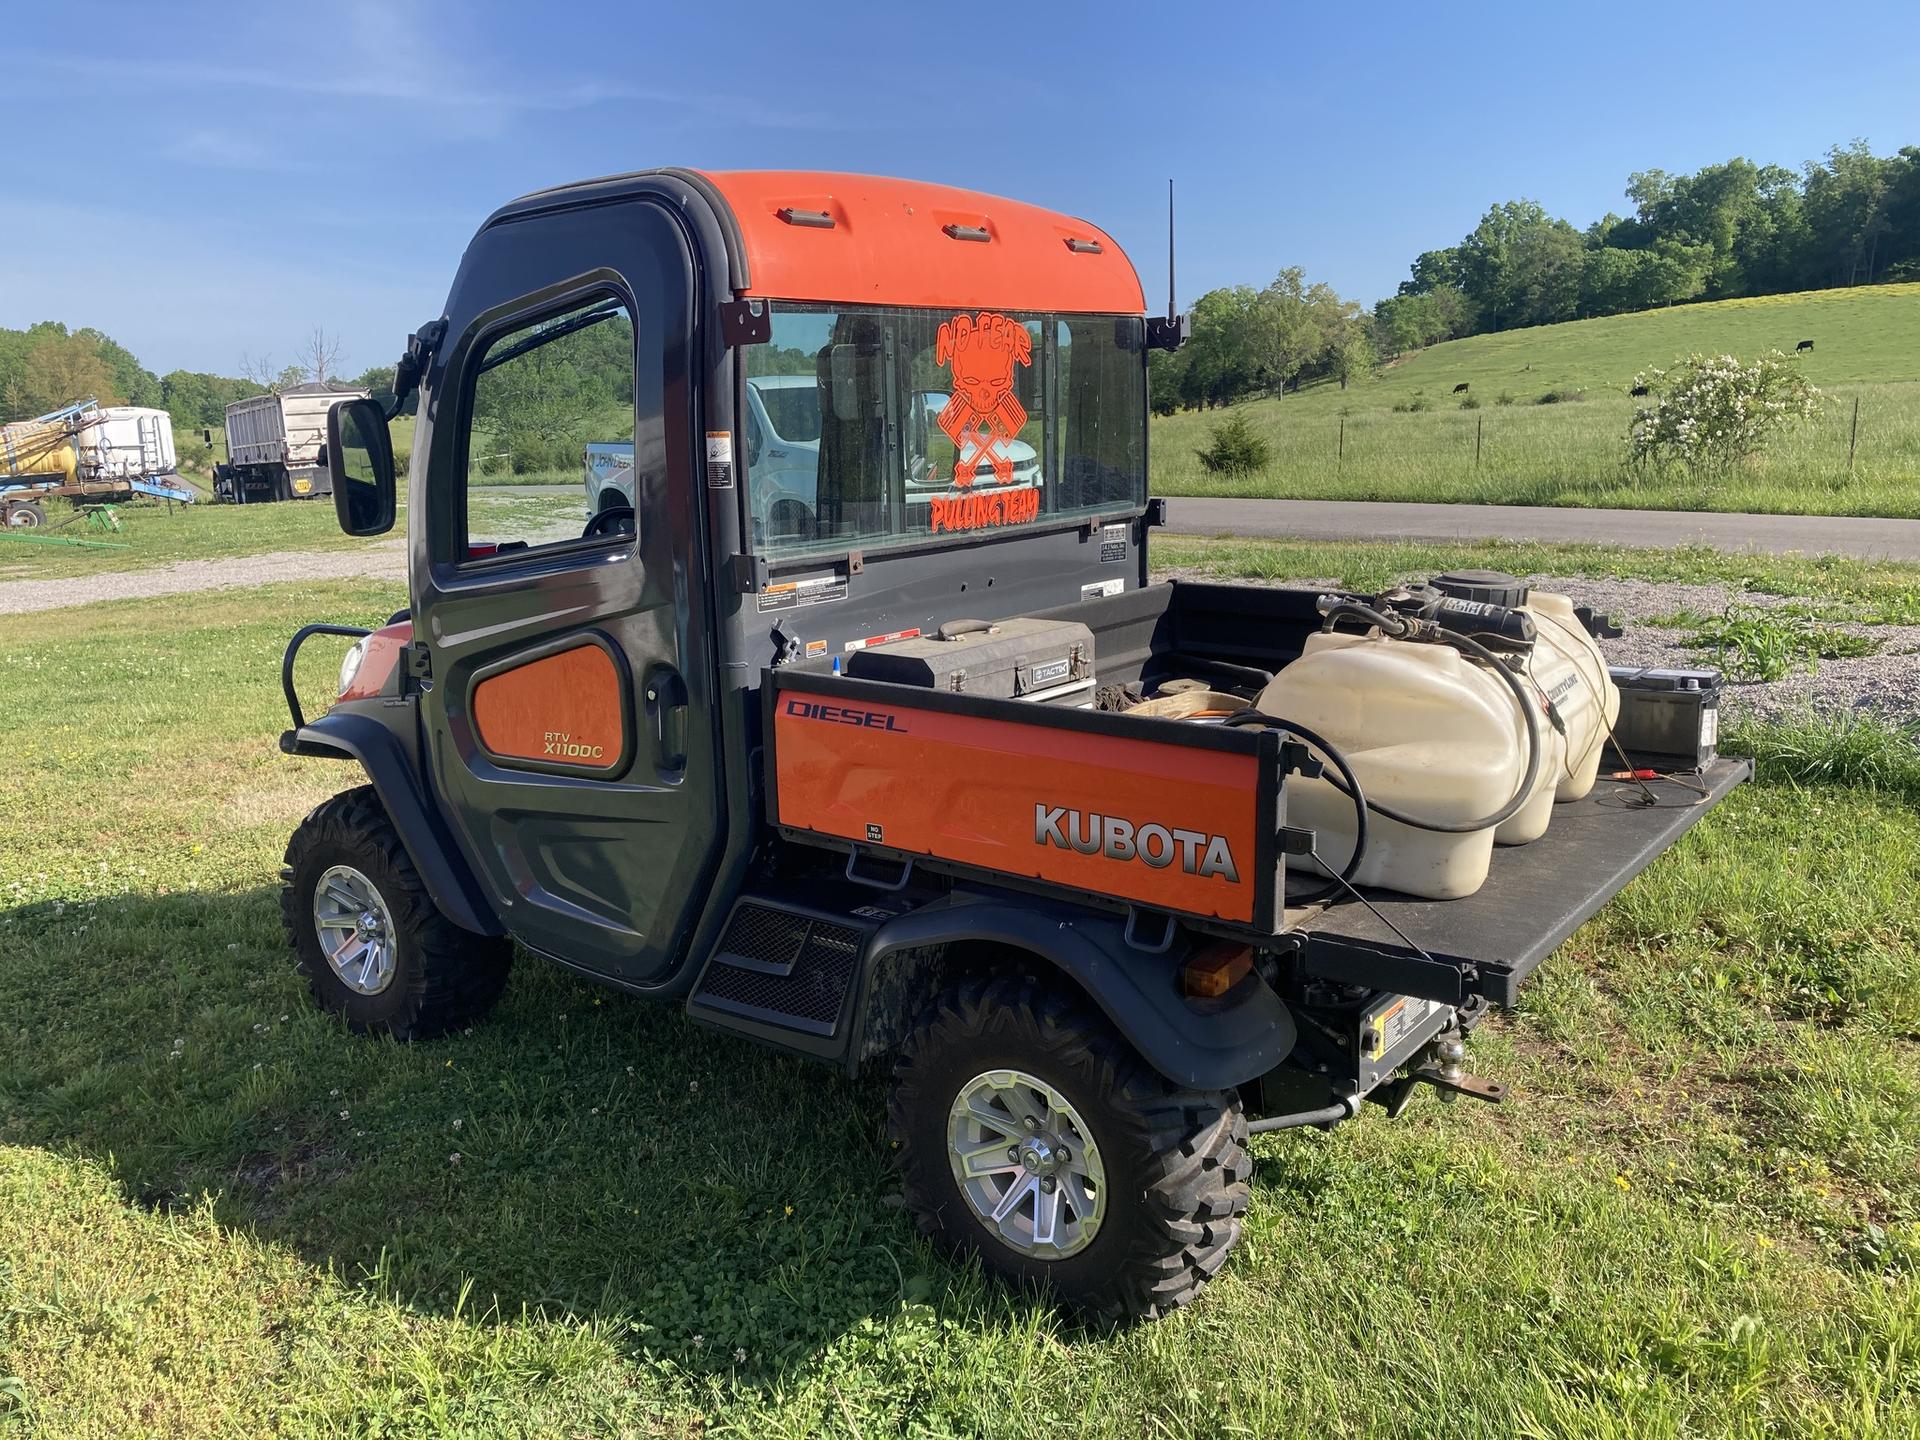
[[1450, 1051]]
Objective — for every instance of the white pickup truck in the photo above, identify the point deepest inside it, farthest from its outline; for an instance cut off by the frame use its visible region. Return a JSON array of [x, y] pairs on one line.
[[783, 447]]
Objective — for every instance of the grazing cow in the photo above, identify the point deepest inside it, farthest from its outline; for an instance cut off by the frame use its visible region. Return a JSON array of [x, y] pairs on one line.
[[1638, 390], [1461, 388], [1803, 347]]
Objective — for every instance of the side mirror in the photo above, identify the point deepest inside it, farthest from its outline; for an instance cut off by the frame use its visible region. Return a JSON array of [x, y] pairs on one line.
[[360, 461]]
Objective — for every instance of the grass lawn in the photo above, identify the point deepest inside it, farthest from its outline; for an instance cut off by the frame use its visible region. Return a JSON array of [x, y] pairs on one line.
[[1523, 452], [220, 1215]]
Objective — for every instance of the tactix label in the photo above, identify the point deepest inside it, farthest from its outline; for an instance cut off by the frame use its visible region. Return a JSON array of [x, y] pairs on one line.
[[1117, 839]]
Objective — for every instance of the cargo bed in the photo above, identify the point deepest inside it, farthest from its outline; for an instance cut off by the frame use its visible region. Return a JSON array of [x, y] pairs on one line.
[[1535, 897], [904, 778]]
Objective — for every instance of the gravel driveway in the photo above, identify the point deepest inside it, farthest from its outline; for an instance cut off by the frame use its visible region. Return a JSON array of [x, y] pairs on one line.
[[384, 560], [1887, 683]]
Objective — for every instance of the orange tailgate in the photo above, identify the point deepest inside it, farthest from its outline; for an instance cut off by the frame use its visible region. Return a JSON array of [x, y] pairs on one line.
[[1057, 798]]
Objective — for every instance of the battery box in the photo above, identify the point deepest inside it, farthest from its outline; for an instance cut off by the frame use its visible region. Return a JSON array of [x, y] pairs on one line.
[[1669, 719], [1050, 661]]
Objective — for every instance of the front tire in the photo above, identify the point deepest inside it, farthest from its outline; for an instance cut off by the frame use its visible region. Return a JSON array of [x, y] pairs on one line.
[[1033, 1136], [374, 947], [25, 515]]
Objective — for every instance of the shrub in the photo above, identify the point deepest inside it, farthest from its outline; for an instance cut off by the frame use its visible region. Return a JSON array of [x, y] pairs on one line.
[[1237, 449], [1707, 414], [1469, 403], [1414, 404], [533, 455], [1505, 397], [1562, 397]]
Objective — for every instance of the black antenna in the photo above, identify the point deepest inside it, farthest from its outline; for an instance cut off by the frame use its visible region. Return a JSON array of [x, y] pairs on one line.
[[1172, 305], [1170, 333]]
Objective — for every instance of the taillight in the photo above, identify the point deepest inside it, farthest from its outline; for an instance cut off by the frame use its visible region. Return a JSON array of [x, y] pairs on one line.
[[1213, 970]]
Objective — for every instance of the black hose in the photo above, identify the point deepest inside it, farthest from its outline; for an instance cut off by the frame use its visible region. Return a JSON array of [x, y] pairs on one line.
[[1351, 790], [1396, 626]]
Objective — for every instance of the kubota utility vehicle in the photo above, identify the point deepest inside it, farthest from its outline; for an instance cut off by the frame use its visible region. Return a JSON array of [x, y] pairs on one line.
[[881, 785]]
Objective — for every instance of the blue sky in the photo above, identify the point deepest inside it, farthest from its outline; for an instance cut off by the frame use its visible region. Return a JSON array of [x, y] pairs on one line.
[[225, 178]]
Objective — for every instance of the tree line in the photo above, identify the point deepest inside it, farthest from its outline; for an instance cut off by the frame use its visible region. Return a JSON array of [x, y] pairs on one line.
[[1725, 231], [46, 367]]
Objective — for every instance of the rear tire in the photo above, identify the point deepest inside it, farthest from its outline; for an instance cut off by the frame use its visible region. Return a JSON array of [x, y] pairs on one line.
[[1171, 1163], [427, 975], [25, 515]]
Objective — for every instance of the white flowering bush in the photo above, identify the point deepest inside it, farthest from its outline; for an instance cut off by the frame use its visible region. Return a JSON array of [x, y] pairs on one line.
[[1709, 413]]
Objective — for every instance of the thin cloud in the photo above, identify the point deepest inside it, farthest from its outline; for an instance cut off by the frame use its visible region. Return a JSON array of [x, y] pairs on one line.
[[382, 55], [223, 150]]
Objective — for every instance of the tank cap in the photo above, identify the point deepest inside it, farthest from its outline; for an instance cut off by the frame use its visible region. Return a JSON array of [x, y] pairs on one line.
[[1490, 587]]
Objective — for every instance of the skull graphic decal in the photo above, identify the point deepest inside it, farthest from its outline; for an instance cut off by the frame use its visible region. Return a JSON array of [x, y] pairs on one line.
[[982, 349]]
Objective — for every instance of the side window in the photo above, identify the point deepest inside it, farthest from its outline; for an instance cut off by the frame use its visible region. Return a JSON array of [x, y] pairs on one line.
[[550, 455]]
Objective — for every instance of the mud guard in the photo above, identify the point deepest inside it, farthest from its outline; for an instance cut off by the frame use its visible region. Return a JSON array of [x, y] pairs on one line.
[[1208, 1045], [348, 736]]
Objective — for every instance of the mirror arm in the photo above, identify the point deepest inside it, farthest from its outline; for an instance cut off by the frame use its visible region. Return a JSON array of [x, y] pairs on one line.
[[412, 365]]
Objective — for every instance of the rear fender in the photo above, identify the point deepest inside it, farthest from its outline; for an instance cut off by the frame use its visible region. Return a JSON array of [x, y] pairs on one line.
[[1205, 1044], [351, 734]]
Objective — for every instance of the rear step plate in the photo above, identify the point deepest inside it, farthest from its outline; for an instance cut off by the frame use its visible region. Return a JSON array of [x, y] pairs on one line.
[[784, 971]]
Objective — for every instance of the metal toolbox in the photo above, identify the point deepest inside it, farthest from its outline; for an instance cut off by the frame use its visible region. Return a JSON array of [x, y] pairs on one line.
[[1020, 659]]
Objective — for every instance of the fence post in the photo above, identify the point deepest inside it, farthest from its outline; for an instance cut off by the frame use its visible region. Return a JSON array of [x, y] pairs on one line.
[[1340, 453], [1853, 438], [1478, 421]]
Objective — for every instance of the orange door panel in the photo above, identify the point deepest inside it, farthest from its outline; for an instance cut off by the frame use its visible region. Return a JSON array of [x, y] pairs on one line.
[[1161, 824], [567, 708]]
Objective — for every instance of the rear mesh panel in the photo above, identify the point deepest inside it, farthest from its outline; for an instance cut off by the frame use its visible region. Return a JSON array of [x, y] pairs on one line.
[[810, 996]]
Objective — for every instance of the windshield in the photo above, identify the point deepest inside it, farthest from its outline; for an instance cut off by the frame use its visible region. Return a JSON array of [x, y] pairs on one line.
[[877, 425]]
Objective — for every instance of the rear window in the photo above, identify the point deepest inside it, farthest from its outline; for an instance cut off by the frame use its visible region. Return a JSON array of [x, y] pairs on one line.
[[868, 426]]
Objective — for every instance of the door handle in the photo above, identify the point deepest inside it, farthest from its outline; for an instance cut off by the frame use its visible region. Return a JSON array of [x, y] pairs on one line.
[[666, 696]]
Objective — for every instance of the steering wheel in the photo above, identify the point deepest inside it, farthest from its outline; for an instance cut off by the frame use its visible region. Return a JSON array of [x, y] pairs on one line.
[[614, 520]]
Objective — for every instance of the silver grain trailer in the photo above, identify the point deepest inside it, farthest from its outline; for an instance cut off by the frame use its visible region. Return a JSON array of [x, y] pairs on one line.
[[274, 445]]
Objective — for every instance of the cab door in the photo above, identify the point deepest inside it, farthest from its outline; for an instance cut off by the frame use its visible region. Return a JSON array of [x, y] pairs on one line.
[[570, 710]]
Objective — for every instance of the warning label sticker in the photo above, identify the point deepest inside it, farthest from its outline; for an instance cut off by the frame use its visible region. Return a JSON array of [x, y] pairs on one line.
[[806, 590], [719, 460], [1113, 543], [1102, 587], [864, 641]]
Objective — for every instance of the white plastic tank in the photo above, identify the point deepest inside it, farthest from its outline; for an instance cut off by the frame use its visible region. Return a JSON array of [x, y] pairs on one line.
[[1566, 664], [1429, 732], [1570, 670], [125, 442]]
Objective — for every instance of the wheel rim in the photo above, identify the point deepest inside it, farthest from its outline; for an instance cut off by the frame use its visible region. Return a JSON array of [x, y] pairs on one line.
[[355, 930], [1026, 1163]]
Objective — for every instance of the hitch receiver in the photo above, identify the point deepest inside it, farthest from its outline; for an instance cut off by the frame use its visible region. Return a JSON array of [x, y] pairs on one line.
[[1396, 1093]]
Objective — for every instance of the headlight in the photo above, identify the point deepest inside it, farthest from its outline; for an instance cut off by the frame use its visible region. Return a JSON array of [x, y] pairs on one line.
[[350, 663]]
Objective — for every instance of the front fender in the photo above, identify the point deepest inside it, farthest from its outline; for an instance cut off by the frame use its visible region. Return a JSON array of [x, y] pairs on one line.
[[355, 735], [1208, 1045]]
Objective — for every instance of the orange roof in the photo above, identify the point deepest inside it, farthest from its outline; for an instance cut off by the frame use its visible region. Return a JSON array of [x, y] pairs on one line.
[[901, 242]]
